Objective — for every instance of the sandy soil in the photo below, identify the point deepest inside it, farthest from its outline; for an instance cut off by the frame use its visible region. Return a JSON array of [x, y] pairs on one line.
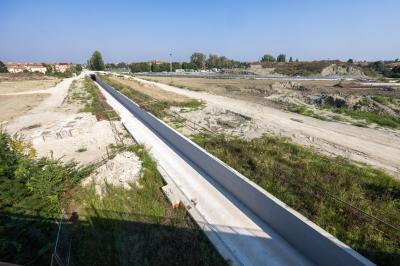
[[151, 90], [378, 148], [13, 106], [57, 130]]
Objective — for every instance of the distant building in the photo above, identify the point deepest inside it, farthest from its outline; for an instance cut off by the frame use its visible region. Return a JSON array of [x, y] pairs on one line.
[[19, 67], [156, 62], [36, 68], [15, 68], [62, 67]]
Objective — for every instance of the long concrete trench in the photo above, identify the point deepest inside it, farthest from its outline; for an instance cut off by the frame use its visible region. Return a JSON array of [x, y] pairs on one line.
[[236, 230]]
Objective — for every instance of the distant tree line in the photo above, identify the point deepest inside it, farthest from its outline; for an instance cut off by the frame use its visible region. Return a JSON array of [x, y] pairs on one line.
[[197, 61], [201, 61], [384, 69], [279, 58]]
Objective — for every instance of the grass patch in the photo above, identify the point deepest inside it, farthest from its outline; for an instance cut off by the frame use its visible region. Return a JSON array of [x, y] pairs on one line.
[[303, 110], [301, 178], [380, 99], [138, 226], [157, 108], [371, 117], [96, 103]]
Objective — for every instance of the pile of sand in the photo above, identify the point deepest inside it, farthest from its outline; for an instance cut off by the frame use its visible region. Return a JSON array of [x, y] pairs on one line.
[[121, 171]]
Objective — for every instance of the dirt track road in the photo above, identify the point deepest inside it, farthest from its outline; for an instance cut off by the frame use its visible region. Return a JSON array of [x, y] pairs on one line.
[[378, 148]]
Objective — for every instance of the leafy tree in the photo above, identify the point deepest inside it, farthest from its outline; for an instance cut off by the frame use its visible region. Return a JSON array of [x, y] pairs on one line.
[[212, 61], [290, 59], [198, 59], [396, 69], [176, 65], [155, 68], [164, 67], [268, 58], [122, 65], [281, 58], [111, 66], [3, 68], [350, 61], [139, 67], [96, 61], [186, 65]]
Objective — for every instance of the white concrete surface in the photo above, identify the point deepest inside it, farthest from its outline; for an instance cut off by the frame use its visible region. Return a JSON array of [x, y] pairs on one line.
[[240, 236]]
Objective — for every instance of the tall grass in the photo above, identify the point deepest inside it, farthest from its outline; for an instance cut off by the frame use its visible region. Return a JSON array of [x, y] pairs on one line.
[[304, 180], [139, 226]]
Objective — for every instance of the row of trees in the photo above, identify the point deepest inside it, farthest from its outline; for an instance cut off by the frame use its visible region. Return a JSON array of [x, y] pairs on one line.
[[279, 58], [214, 61]]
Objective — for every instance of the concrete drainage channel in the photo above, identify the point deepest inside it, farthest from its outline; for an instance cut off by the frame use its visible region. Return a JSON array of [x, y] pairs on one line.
[[248, 225]]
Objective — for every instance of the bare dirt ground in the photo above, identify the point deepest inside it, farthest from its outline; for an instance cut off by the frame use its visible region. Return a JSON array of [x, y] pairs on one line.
[[21, 93], [57, 129], [378, 148], [7, 87], [13, 106]]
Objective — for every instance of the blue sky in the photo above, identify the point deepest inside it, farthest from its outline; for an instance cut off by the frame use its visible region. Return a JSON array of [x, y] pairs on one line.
[[50, 31]]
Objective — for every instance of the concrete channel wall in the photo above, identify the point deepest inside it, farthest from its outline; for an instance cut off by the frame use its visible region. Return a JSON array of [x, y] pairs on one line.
[[309, 239]]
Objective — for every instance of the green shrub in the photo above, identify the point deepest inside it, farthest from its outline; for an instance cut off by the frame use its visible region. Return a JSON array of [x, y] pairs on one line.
[[32, 194]]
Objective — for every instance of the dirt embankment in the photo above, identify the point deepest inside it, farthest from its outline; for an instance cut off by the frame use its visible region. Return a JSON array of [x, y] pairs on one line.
[[322, 68]]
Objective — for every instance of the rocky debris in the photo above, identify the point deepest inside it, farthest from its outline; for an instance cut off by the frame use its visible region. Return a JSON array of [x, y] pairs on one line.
[[333, 100], [121, 171], [172, 194], [388, 88]]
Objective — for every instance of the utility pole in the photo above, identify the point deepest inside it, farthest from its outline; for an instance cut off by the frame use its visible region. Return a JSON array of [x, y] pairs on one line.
[[170, 62]]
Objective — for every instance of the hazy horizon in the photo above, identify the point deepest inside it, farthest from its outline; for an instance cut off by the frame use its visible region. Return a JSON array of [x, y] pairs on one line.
[[49, 31]]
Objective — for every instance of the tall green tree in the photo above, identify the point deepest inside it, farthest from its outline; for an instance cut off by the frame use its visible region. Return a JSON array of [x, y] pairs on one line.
[[281, 58], [291, 59], [212, 61], [96, 61], [198, 59], [3, 68], [268, 58]]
